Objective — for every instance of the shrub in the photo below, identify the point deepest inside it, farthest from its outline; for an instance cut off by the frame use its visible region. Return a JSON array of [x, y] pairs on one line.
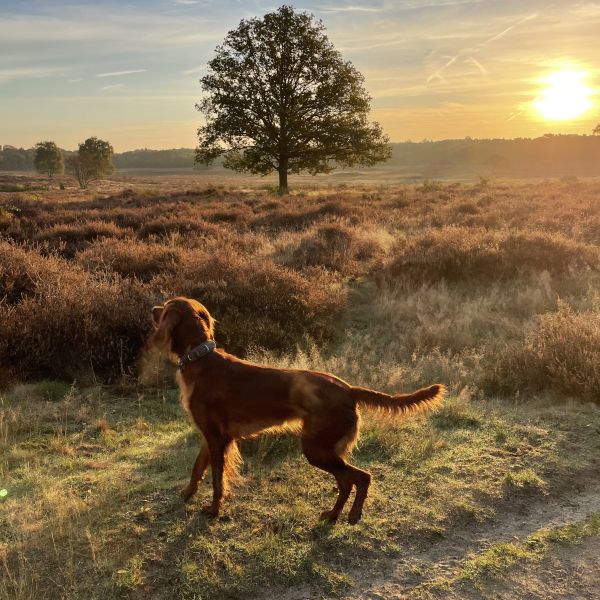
[[304, 216], [65, 323], [258, 303], [70, 238], [457, 253], [561, 352], [129, 258], [335, 247], [21, 270], [167, 225]]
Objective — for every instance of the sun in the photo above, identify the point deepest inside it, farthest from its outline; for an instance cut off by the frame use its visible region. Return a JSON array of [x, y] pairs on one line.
[[566, 96]]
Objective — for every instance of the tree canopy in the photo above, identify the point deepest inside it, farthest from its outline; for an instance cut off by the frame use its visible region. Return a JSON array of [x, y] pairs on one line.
[[48, 159], [280, 97], [92, 161]]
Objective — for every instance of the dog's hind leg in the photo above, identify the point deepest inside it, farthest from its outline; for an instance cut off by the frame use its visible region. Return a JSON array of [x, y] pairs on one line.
[[362, 481], [198, 471], [325, 446], [328, 461]]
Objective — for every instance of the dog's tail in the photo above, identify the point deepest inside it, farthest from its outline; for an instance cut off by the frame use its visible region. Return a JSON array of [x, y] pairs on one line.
[[423, 399]]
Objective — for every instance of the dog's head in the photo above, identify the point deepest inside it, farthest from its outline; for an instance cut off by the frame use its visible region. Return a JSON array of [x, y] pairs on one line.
[[179, 324]]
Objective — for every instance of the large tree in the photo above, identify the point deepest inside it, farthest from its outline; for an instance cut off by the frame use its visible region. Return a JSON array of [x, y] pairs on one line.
[[92, 161], [280, 97], [597, 130], [48, 159]]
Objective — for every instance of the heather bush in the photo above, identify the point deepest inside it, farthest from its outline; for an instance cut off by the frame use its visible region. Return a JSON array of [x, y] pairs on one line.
[[560, 353], [167, 225], [70, 238], [305, 215], [22, 270], [69, 324], [258, 303], [459, 254], [129, 258], [334, 246]]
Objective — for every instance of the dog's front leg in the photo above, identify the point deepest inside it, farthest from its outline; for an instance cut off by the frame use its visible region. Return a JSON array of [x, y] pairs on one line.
[[198, 471], [217, 448]]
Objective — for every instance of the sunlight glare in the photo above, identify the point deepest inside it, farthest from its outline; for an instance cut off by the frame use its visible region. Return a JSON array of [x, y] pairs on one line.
[[565, 97]]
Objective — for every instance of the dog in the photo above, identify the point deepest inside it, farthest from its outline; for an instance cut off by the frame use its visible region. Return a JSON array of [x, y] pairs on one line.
[[230, 399]]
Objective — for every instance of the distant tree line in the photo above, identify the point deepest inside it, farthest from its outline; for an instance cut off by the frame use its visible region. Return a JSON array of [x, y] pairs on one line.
[[548, 156], [20, 159], [92, 160]]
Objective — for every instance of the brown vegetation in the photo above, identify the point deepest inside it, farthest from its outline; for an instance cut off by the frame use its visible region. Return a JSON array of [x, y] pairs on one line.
[[468, 277]]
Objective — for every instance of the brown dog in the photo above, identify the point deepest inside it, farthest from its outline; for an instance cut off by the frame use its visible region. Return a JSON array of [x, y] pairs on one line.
[[229, 399]]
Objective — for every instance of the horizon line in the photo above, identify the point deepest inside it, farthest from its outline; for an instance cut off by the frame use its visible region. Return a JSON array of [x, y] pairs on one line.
[[409, 141]]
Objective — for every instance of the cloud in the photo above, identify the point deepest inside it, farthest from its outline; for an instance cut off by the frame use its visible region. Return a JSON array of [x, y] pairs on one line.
[[588, 9], [508, 29], [351, 8], [476, 63], [28, 73], [114, 86], [120, 73], [195, 70], [438, 73]]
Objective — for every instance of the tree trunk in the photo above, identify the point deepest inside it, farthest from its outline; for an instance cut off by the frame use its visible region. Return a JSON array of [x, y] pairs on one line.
[[283, 177]]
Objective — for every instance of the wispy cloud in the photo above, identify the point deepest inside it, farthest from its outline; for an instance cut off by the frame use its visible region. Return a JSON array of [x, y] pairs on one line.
[[473, 61], [114, 86], [11, 74], [121, 73], [194, 70], [508, 29], [438, 74], [351, 8]]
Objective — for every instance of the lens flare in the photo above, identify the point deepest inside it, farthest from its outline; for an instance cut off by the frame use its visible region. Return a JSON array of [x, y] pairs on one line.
[[566, 96]]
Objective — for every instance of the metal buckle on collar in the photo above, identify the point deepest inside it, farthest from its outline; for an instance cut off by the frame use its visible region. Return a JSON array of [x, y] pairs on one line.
[[195, 353]]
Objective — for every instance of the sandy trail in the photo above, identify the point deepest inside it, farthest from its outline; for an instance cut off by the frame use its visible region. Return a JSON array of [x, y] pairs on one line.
[[569, 573]]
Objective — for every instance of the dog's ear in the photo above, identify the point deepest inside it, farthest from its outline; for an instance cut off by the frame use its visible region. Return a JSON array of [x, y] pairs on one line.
[[168, 320], [157, 311], [209, 322]]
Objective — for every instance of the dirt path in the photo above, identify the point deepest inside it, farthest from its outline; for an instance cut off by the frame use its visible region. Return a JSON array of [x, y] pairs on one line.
[[567, 573], [444, 558]]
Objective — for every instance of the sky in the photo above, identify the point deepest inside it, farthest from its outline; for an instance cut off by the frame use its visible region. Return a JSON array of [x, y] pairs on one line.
[[127, 71]]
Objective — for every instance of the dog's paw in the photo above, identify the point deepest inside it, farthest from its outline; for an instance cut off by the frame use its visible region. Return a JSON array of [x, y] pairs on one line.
[[187, 492], [210, 511], [328, 516], [354, 516]]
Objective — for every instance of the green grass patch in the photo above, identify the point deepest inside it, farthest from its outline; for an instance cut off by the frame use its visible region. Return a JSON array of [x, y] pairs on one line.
[[502, 557], [92, 502]]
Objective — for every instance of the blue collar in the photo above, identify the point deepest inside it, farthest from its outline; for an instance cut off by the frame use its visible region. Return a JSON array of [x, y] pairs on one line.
[[198, 352]]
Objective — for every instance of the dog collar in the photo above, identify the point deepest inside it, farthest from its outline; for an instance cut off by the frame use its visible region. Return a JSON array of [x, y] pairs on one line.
[[195, 353]]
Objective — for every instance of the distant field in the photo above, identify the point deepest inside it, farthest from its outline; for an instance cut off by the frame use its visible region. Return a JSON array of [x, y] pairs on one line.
[[492, 288]]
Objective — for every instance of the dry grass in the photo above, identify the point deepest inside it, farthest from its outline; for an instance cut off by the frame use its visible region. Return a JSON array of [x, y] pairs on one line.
[[478, 255], [463, 272]]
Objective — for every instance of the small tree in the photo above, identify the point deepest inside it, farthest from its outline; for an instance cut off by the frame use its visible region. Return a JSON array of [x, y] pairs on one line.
[[279, 97], [48, 159], [597, 130], [92, 161]]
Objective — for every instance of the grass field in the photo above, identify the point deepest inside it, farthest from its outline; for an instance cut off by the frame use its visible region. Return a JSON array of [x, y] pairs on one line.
[[490, 288]]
